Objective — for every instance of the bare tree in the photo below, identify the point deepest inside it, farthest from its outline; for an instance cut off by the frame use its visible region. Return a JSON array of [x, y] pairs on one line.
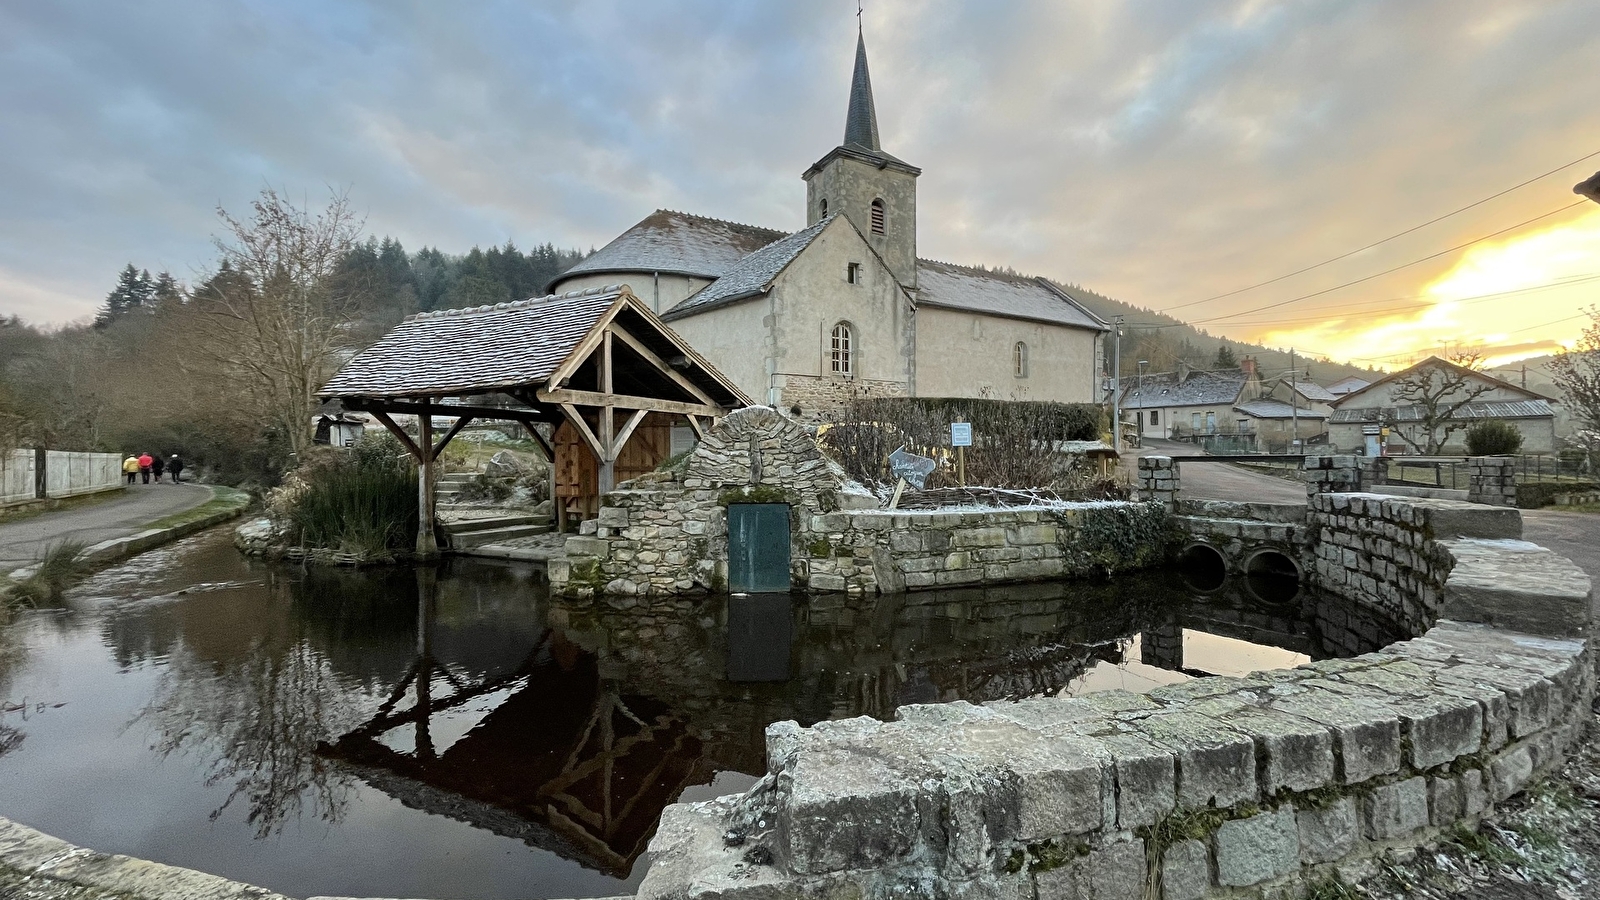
[[1577, 373], [1438, 389], [279, 319]]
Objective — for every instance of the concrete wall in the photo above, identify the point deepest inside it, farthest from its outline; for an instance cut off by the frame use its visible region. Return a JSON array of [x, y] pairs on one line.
[[1274, 783], [737, 339], [67, 474], [1538, 436], [659, 292], [850, 186], [961, 354]]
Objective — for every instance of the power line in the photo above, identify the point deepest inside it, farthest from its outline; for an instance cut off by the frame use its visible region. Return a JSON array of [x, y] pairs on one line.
[[1390, 270], [1392, 236]]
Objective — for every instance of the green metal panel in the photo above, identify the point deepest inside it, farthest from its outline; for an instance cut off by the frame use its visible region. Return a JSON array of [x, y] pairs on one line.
[[758, 547]]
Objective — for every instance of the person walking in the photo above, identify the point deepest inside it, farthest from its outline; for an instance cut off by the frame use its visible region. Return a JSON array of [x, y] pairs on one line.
[[144, 466], [175, 466], [157, 467], [130, 468]]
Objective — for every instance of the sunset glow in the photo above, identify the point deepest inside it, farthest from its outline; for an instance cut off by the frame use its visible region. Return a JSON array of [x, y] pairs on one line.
[[1510, 299]]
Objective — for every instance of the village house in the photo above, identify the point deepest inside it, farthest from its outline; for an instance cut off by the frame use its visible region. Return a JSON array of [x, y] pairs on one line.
[[844, 307], [1360, 417], [1185, 403]]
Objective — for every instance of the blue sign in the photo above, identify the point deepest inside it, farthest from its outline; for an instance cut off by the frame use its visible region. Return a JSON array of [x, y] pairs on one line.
[[961, 434]]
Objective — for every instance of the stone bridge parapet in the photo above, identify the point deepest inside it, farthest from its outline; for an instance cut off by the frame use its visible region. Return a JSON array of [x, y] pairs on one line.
[[1274, 782]]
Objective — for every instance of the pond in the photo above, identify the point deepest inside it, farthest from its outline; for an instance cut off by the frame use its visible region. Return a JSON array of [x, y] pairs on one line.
[[457, 733]]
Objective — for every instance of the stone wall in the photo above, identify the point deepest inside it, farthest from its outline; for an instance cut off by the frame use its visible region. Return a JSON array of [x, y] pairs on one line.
[[669, 534], [1492, 480], [1159, 480], [1332, 474], [1271, 783]]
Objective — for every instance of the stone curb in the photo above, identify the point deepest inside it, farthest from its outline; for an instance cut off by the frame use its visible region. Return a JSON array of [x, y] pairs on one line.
[[37, 853], [490, 551]]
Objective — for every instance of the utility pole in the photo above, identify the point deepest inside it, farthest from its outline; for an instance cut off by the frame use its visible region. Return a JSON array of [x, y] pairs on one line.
[[1116, 388], [1294, 405]]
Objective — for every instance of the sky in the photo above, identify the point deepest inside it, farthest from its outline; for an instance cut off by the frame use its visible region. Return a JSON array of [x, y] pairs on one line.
[[1162, 153]]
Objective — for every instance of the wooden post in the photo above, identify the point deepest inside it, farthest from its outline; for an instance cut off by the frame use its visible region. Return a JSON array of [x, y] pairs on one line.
[[608, 425], [961, 465], [427, 544]]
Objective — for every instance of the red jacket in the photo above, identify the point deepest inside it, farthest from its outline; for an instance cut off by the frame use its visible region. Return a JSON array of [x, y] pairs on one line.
[[145, 460]]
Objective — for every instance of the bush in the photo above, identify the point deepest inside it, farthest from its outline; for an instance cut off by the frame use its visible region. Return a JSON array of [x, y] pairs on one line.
[[361, 501], [1013, 442], [1493, 437]]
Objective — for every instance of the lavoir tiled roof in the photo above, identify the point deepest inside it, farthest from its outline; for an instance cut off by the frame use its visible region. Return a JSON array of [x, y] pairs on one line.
[[1013, 296], [677, 243]]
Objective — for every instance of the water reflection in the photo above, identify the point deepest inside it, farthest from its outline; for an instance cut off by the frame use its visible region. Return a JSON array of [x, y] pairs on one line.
[[337, 697]]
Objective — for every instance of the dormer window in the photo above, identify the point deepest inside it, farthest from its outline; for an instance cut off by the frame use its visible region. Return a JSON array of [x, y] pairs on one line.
[[877, 217]]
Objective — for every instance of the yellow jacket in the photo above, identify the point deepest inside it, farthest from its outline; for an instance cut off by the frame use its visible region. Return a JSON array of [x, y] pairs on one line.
[[130, 465]]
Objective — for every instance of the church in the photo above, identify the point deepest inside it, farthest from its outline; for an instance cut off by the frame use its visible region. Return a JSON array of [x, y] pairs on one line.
[[844, 307]]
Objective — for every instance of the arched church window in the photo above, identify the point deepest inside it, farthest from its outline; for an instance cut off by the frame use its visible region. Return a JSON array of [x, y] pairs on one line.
[[841, 359], [824, 213], [877, 217], [1019, 359]]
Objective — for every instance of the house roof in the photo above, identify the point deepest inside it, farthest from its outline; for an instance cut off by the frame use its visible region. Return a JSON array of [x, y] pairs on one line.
[[1477, 409], [1346, 385], [998, 294], [676, 243], [508, 346], [1313, 391], [1163, 389], [1275, 409], [1443, 363], [750, 276]]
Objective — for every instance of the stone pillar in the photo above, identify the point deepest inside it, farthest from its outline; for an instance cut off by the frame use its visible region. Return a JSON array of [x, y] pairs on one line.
[[1492, 480], [1162, 646], [1332, 474], [1158, 480]]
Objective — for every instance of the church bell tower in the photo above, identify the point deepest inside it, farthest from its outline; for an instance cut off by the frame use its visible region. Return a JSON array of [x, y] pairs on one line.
[[875, 190]]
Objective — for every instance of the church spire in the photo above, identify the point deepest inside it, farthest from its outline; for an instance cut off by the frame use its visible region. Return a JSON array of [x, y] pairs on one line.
[[861, 123]]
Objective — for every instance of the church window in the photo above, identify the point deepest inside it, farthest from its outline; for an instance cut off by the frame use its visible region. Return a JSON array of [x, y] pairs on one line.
[[852, 273], [824, 214], [841, 354], [1019, 359], [877, 217]]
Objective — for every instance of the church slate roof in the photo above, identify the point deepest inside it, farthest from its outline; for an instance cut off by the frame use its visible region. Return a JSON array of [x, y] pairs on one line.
[[861, 121], [752, 275], [676, 243], [1013, 296]]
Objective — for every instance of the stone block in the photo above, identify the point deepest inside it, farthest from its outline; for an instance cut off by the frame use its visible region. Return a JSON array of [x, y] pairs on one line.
[[1146, 778], [992, 536], [1185, 871], [1446, 804], [1395, 810], [1063, 786], [1115, 872], [906, 542], [1366, 735], [1474, 797], [1295, 754], [579, 545], [1032, 534], [1257, 849], [1216, 765], [820, 582], [1328, 833], [847, 811], [613, 517], [1510, 772]]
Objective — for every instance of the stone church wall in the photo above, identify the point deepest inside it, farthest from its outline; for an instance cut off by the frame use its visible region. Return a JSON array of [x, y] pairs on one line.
[[961, 354]]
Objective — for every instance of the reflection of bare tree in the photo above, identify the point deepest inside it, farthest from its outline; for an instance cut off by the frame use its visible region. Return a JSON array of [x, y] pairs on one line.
[[259, 719], [10, 657]]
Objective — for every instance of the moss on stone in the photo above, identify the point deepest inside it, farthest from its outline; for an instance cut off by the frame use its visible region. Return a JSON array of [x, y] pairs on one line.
[[587, 573], [757, 493], [820, 548]]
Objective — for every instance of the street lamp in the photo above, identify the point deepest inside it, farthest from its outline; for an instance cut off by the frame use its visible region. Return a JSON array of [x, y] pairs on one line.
[[1589, 188], [1140, 414]]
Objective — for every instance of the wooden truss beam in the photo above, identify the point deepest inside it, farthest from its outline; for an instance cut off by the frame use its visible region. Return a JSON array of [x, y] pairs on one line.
[[625, 401]]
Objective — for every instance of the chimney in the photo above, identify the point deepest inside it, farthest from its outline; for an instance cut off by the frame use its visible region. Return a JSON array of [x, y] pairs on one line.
[[1183, 370], [1248, 367]]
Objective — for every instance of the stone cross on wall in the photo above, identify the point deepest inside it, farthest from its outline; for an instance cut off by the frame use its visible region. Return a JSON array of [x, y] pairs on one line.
[[755, 459]]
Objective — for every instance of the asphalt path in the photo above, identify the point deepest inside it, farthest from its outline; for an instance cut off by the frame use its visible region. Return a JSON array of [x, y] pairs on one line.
[[25, 541], [1573, 535]]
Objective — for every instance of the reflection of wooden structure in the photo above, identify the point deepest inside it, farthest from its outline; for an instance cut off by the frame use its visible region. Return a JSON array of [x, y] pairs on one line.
[[598, 362]]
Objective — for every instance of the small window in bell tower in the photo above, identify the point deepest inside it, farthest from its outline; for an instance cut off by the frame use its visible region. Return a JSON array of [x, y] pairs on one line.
[[877, 217], [823, 214]]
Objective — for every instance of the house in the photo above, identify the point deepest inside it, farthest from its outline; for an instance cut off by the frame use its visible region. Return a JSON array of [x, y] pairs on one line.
[[1277, 425], [1388, 417], [844, 307], [1345, 385], [1186, 403]]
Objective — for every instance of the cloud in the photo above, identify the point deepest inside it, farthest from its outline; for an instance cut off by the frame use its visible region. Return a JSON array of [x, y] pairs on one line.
[[1158, 152]]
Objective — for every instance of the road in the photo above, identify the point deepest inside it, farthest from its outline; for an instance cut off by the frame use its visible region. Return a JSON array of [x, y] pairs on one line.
[[1573, 535], [23, 542]]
